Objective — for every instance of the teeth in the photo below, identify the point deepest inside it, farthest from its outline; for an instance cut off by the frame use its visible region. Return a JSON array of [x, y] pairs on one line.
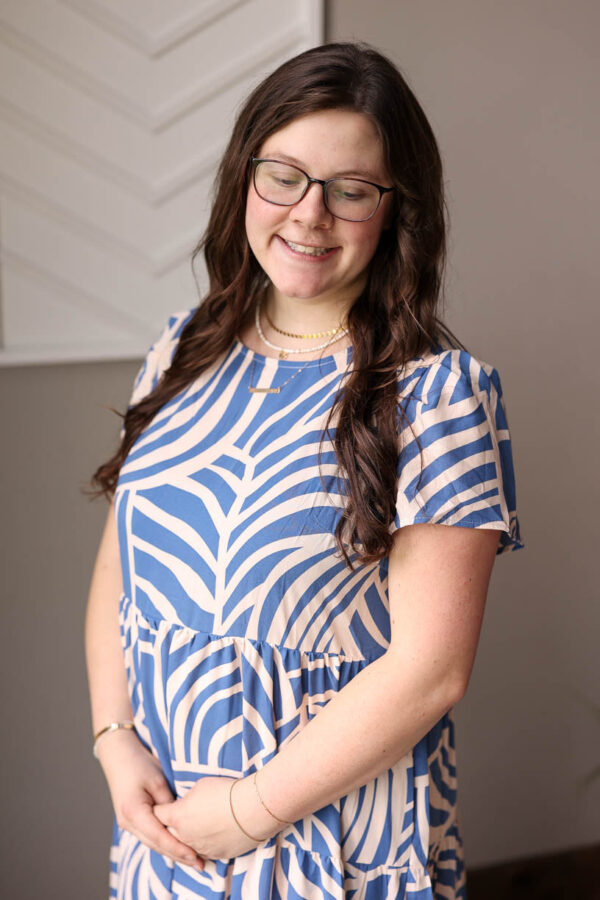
[[308, 251]]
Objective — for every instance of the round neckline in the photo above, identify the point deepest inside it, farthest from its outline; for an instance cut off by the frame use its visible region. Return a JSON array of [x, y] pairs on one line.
[[340, 358]]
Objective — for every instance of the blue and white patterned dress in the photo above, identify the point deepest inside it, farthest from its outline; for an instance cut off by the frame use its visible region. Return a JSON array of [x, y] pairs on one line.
[[240, 620]]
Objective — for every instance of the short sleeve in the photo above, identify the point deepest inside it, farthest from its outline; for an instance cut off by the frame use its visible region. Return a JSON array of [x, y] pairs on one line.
[[465, 476], [158, 358]]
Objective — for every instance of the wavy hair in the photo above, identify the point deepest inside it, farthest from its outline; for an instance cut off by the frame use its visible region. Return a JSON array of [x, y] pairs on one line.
[[393, 320]]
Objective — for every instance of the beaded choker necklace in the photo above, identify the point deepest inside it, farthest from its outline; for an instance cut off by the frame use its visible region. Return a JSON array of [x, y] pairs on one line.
[[284, 353]]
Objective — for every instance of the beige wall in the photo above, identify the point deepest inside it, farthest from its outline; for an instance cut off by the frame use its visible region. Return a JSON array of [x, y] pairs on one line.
[[511, 91], [55, 812], [508, 88]]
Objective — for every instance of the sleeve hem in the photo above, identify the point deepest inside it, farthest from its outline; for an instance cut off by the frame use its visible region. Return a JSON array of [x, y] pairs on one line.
[[510, 538]]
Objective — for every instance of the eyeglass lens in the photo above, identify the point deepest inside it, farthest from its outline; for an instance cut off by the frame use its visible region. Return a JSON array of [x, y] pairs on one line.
[[347, 198]]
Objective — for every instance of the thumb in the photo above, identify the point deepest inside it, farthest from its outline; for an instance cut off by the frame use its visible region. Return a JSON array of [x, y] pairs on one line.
[[163, 812]]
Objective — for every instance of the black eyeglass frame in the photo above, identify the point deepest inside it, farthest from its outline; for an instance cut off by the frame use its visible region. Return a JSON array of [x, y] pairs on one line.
[[382, 190]]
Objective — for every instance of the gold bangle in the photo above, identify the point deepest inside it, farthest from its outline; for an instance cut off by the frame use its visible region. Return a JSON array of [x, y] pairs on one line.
[[283, 821], [114, 726], [235, 818]]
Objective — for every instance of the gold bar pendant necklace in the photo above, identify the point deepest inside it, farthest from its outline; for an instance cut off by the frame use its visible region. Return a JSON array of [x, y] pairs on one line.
[[272, 390]]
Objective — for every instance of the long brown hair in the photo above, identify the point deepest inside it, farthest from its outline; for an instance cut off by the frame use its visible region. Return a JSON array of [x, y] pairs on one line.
[[391, 322]]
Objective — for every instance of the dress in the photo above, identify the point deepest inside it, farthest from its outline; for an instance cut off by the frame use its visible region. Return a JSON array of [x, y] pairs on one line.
[[240, 620]]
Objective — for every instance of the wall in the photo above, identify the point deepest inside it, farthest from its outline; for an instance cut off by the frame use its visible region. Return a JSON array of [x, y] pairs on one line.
[[510, 89], [113, 117], [57, 816]]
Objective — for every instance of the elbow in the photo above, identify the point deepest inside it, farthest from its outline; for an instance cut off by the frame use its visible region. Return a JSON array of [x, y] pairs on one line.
[[448, 692], [450, 686], [445, 682], [456, 686]]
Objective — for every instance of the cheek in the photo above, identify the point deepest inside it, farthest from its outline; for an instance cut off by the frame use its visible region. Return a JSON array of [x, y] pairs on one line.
[[366, 239], [251, 217], [261, 217]]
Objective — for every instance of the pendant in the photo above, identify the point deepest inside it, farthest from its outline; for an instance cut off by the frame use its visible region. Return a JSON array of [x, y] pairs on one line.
[[257, 390], [262, 390], [283, 354]]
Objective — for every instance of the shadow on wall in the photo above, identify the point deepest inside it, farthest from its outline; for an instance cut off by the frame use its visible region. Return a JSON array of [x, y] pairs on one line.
[[563, 876]]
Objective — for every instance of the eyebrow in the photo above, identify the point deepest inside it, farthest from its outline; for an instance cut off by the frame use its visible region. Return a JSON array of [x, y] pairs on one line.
[[348, 173]]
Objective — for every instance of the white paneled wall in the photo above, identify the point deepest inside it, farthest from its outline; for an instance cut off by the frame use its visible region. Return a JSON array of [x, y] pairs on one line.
[[113, 116]]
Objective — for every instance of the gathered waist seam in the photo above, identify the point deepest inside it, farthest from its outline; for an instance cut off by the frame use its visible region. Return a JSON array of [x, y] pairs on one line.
[[156, 623]]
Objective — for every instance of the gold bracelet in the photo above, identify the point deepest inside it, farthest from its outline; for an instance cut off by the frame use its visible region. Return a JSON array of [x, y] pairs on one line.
[[283, 822], [235, 818], [114, 726]]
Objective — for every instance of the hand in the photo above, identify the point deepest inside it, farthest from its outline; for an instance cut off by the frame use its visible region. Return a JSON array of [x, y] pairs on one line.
[[202, 818], [136, 783]]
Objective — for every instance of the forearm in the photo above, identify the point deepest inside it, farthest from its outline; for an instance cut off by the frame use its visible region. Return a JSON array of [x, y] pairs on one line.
[[375, 720], [109, 695]]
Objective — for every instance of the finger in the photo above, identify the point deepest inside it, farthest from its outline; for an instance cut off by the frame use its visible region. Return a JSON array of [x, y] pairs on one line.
[[161, 793], [195, 863], [152, 830]]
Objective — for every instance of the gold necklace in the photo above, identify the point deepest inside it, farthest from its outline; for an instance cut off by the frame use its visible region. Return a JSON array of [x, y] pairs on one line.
[[282, 354], [316, 334]]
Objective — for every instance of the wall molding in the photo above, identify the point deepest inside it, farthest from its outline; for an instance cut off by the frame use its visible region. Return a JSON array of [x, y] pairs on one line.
[[157, 265], [154, 44], [71, 293], [182, 103], [65, 217], [153, 195], [131, 204], [212, 85], [78, 152], [74, 296], [30, 48]]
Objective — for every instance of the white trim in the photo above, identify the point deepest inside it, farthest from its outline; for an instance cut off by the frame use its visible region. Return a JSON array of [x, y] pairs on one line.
[[58, 354], [315, 19]]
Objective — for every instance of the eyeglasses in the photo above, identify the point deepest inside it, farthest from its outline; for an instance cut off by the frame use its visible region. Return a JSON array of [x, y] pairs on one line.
[[351, 199]]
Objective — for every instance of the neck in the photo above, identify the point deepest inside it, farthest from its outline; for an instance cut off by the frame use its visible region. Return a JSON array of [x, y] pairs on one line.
[[303, 316], [303, 341]]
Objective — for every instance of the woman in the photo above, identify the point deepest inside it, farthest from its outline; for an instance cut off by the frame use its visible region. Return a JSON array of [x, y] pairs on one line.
[[280, 619]]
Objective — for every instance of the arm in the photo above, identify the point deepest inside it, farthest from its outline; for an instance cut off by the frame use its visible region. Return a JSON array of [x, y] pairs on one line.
[[438, 579], [106, 672], [134, 776]]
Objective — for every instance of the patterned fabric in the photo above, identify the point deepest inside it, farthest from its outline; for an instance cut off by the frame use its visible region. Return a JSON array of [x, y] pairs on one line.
[[240, 620]]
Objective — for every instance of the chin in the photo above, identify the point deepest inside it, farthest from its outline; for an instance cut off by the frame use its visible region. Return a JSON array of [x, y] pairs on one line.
[[301, 288], [299, 293]]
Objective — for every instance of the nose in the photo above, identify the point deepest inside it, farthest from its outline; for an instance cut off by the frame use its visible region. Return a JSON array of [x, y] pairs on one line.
[[311, 210]]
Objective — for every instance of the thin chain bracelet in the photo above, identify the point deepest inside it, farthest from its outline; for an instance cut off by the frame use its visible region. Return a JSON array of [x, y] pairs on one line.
[[235, 818], [283, 821]]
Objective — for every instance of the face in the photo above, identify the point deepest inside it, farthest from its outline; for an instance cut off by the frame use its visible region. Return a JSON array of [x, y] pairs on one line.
[[325, 144]]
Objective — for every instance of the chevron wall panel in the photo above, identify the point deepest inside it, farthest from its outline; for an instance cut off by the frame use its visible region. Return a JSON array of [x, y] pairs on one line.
[[113, 116]]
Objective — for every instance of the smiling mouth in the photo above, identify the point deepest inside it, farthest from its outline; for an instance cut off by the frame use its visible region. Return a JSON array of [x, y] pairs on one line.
[[308, 251]]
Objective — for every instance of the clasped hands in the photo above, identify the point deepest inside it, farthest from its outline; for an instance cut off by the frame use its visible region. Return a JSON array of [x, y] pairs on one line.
[[202, 818], [196, 826]]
